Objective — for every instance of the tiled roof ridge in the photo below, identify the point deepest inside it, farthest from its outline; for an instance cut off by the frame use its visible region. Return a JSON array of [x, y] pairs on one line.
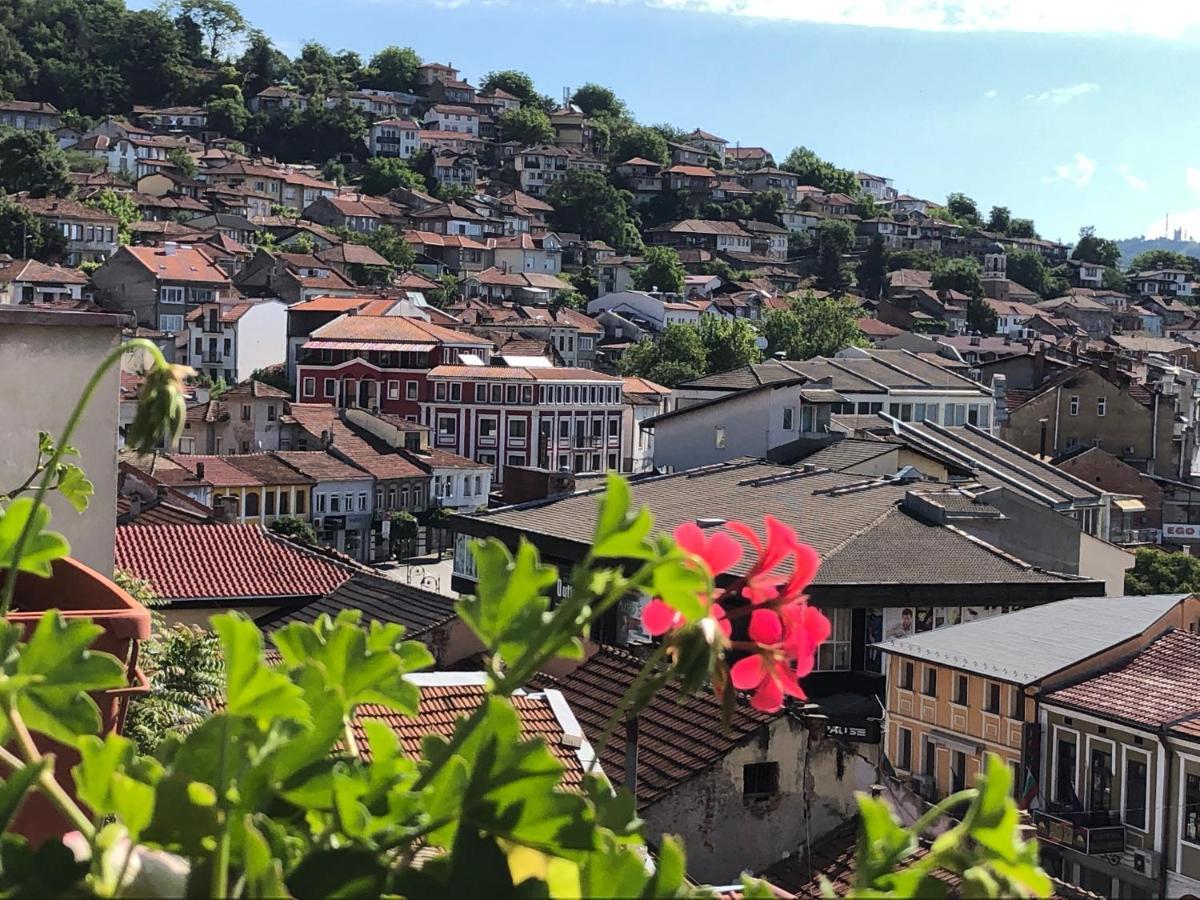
[[329, 554], [870, 526]]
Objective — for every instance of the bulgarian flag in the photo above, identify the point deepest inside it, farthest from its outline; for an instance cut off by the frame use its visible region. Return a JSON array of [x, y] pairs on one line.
[[1029, 791]]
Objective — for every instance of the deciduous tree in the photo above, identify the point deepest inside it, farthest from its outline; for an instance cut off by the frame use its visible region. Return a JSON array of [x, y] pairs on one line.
[[767, 206], [677, 355], [1093, 249], [998, 219], [811, 169], [835, 240], [597, 100], [963, 208], [585, 203], [31, 161], [639, 141], [873, 279], [527, 124], [960, 274], [662, 271], [386, 173], [813, 327], [728, 343], [394, 69]]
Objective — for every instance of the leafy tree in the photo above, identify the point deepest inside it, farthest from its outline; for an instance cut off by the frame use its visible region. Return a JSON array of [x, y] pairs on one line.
[[391, 245], [728, 343], [1022, 228], [333, 170], [527, 124], [262, 64], [1162, 259], [229, 117], [301, 243], [276, 376], [586, 285], [667, 206], [676, 356], [185, 668], [963, 208], [998, 219], [585, 203], [1159, 572], [662, 271], [31, 161], [386, 173], [960, 274], [813, 327], [1113, 279], [923, 260], [121, 206], [981, 318], [183, 161], [835, 240], [1098, 250], [314, 133], [449, 191], [640, 141], [514, 82], [394, 69], [22, 234], [82, 161], [402, 534], [597, 100], [294, 527], [219, 21], [767, 206], [670, 132], [873, 279], [1028, 269], [811, 169]]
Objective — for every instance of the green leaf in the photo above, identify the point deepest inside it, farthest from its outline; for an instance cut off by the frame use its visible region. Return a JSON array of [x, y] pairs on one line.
[[619, 535], [347, 872], [61, 670], [252, 688], [41, 548], [74, 485], [614, 508], [682, 587], [14, 788]]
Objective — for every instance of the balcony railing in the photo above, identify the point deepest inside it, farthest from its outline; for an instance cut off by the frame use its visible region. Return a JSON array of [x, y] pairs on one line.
[[1089, 833]]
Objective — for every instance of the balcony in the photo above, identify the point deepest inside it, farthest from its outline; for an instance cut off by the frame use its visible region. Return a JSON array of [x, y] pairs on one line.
[[1086, 832]]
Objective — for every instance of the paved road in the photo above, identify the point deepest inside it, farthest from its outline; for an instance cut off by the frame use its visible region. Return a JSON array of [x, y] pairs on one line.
[[427, 572]]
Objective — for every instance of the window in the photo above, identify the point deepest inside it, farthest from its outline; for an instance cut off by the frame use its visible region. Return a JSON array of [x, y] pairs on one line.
[[478, 485], [526, 394], [929, 689], [300, 503], [993, 697], [330, 387], [309, 387], [904, 749], [788, 415], [439, 390], [391, 498], [835, 652], [515, 459], [1017, 707], [960, 689], [335, 503], [393, 390], [269, 503], [348, 506], [1073, 406], [447, 428], [958, 771], [284, 502], [1191, 809], [1135, 791], [929, 761], [410, 390], [251, 505], [497, 393], [246, 412], [597, 428], [517, 429], [760, 780], [362, 501], [170, 295], [270, 412], [199, 346], [510, 393], [170, 323], [564, 429], [1064, 772], [487, 429], [614, 426], [1101, 405], [906, 676], [455, 391], [720, 437], [1100, 777]]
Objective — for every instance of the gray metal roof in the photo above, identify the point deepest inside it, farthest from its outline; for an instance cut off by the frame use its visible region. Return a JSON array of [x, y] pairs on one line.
[[1030, 644]]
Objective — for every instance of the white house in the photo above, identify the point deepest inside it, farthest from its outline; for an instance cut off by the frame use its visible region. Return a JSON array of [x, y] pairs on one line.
[[1011, 315], [877, 186], [231, 340], [394, 137], [643, 400], [446, 117], [656, 310], [528, 253]]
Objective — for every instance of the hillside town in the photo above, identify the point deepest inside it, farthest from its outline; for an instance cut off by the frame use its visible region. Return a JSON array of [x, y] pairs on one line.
[[423, 306]]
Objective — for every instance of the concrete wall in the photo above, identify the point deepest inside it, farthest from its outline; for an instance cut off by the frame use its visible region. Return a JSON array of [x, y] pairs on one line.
[[261, 337], [1105, 562], [727, 834], [752, 424], [1029, 531], [46, 357]]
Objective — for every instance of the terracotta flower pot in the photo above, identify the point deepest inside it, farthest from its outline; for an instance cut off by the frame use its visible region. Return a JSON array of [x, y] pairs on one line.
[[79, 592]]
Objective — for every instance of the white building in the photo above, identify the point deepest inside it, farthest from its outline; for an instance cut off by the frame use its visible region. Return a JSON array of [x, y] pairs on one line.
[[395, 137], [876, 186], [527, 253], [643, 400], [656, 310], [231, 340], [445, 117]]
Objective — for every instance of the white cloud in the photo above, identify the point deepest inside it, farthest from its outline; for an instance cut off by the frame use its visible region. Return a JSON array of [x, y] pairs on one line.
[[1078, 171], [1138, 184], [1168, 19], [1061, 95], [990, 95]]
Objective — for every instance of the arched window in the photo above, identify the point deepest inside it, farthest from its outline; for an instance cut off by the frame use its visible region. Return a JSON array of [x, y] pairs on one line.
[[251, 505]]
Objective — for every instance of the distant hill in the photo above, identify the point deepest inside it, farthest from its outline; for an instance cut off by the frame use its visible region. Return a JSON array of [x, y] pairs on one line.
[[1131, 247]]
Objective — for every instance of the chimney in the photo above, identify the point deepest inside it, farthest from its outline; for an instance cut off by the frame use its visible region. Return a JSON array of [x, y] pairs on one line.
[[135, 504], [199, 471], [169, 248], [326, 439], [226, 509]]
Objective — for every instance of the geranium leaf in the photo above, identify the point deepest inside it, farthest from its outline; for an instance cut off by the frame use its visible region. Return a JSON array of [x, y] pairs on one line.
[[41, 548]]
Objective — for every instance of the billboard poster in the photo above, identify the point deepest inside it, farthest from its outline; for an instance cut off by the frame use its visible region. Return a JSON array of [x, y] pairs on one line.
[[898, 622]]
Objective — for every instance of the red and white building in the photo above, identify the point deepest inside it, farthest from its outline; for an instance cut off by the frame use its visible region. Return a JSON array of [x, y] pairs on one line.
[[379, 362], [550, 417]]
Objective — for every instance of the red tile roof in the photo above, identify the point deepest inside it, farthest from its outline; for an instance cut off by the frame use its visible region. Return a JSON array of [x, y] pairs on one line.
[[181, 264], [218, 470], [370, 454], [393, 328], [223, 563], [367, 305]]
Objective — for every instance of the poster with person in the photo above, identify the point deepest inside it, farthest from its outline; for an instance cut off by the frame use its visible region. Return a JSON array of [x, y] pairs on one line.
[[898, 622], [874, 636], [924, 618]]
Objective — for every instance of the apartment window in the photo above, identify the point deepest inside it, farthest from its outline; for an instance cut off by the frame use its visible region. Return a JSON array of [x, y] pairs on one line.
[[1017, 707], [379, 498], [228, 346], [564, 429], [309, 387], [447, 427], [478, 485], [410, 390], [929, 762], [1135, 791], [455, 391], [1064, 772], [330, 387], [835, 652], [439, 390], [612, 461], [960, 689], [929, 688], [788, 414], [393, 390], [300, 503], [760, 780], [527, 394], [170, 295], [284, 503], [1101, 405], [391, 498], [199, 346], [1100, 776], [348, 505], [1191, 809], [497, 393], [480, 392], [906, 676], [245, 412], [1073, 406], [958, 771], [597, 428], [510, 393], [170, 323], [904, 749], [517, 429], [993, 697], [269, 504], [614, 426], [362, 501], [335, 503], [487, 429], [251, 505]]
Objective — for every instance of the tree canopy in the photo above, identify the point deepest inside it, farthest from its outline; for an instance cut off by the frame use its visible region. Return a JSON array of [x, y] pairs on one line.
[[1159, 572], [767, 206], [960, 274], [217, 21], [394, 69], [981, 318], [520, 85], [677, 355], [728, 343], [22, 234], [873, 278], [835, 240], [1163, 259], [1093, 249], [963, 208], [813, 326], [998, 219], [661, 271], [527, 124], [811, 169], [639, 141], [585, 203], [1028, 269], [597, 100]]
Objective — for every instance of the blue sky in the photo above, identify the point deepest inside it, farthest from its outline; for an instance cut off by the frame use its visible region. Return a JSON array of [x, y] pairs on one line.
[[1005, 100]]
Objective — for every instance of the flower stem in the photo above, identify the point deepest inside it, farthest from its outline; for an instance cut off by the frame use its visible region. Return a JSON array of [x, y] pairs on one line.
[[14, 568], [219, 883], [46, 782], [935, 812]]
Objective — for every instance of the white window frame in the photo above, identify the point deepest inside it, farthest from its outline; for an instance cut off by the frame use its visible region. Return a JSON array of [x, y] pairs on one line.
[[308, 386]]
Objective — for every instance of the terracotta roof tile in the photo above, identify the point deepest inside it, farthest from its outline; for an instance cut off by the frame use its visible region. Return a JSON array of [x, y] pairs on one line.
[[182, 264], [393, 328], [320, 465]]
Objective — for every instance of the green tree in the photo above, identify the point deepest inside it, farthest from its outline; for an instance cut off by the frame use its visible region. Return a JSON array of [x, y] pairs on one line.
[[514, 82], [963, 208], [184, 161], [391, 245], [666, 206], [661, 271], [597, 100], [981, 318], [185, 668], [813, 327], [640, 141], [1098, 250], [998, 219], [219, 21], [262, 64], [811, 169], [675, 356], [1150, 260], [923, 260], [120, 205], [301, 243], [295, 528], [334, 170], [1022, 228], [585, 283], [1028, 269], [527, 124], [585, 203], [873, 278], [31, 161], [230, 117], [386, 173], [960, 274], [22, 234], [767, 206], [835, 240], [1113, 279], [1159, 572], [728, 343], [276, 376], [394, 69]]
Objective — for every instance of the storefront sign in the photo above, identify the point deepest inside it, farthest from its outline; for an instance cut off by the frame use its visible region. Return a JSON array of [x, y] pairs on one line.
[[860, 731], [1180, 531]]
